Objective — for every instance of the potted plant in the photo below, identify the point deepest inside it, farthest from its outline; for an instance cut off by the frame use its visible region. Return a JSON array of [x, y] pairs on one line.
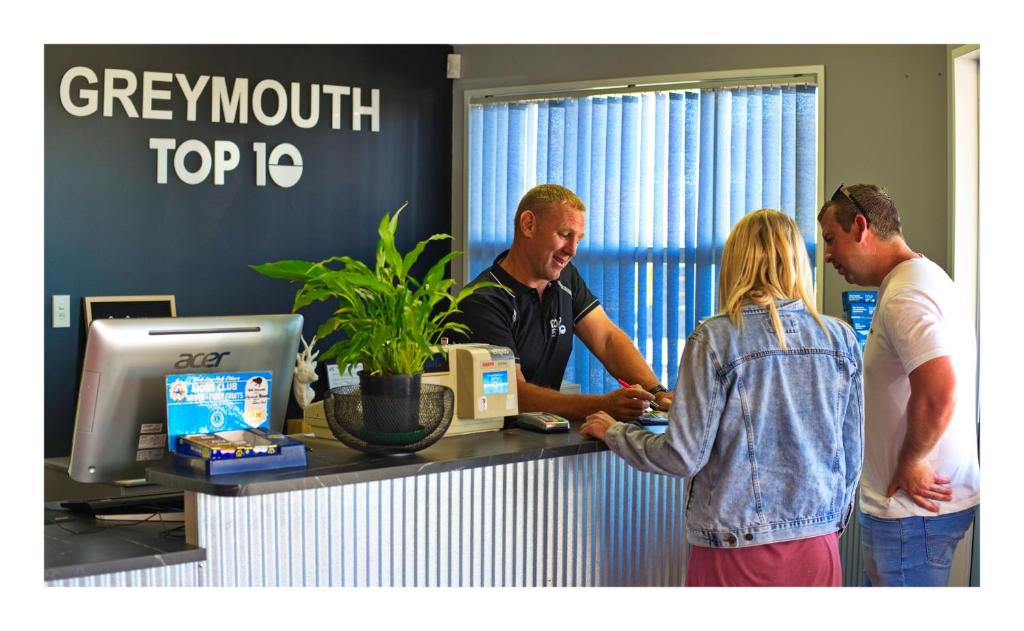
[[392, 322]]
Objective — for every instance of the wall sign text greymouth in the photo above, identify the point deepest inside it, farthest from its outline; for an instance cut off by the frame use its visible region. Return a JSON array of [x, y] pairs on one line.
[[231, 102]]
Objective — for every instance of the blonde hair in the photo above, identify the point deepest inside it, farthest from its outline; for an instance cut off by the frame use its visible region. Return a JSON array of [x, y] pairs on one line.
[[765, 260]]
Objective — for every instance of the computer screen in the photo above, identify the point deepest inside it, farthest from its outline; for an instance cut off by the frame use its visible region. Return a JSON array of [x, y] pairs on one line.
[[121, 419]]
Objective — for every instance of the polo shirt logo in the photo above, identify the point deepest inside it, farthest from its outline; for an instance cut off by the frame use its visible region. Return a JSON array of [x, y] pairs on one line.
[[557, 328]]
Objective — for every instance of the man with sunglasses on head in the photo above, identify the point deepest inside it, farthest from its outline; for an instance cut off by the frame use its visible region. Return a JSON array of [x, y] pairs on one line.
[[919, 489]]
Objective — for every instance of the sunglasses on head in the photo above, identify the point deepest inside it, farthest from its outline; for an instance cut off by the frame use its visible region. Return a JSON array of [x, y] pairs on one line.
[[842, 193]]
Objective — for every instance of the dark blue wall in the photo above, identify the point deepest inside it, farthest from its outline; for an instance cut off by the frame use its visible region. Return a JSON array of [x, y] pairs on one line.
[[110, 229]]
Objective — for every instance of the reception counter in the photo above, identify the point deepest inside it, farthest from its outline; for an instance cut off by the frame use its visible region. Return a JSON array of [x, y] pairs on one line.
[[504, 508]]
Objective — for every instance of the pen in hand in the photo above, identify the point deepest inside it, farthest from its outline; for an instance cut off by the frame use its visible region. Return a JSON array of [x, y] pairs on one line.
[[622, 382]]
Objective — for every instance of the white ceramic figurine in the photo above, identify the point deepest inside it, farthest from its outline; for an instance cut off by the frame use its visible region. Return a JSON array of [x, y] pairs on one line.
[[305, 373]]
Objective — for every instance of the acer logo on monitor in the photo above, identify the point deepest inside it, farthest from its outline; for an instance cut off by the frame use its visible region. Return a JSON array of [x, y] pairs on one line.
[[200, 360]]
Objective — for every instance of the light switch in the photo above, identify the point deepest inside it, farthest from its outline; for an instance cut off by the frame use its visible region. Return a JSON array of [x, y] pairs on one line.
[[454, 67], [61, 311]]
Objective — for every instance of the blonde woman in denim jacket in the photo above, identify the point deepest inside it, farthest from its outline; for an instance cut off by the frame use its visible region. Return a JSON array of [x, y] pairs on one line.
[[767, 422]]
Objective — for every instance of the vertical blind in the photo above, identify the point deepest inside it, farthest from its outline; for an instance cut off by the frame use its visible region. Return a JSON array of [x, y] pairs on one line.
[[664, 175]]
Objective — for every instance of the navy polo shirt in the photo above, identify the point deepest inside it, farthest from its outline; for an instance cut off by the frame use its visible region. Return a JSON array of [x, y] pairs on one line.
[[539, 331]]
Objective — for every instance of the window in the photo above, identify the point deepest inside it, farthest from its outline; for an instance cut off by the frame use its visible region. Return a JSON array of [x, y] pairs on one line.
[[665, 174]]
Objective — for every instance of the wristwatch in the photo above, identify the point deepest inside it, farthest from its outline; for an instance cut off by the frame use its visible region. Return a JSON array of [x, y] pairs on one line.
[[657, 388]]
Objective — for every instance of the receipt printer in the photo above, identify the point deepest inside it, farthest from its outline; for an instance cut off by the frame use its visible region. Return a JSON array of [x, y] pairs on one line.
[[483, 378]]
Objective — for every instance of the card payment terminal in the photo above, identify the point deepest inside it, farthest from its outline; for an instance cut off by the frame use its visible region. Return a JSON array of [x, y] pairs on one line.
[[542, 422]]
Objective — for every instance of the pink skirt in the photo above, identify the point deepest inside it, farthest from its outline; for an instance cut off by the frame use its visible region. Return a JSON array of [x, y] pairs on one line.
[[812, 562]]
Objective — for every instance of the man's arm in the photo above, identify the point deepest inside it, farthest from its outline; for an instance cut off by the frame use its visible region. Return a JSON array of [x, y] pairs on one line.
[[612, 346], [623, 404], [929, 411]]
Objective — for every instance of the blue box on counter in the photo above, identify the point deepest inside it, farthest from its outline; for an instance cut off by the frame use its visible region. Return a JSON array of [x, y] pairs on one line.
[[227, 445], [238, 452]]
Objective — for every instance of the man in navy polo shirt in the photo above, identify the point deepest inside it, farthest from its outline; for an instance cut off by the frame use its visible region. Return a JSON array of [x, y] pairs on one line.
[[543, 302]]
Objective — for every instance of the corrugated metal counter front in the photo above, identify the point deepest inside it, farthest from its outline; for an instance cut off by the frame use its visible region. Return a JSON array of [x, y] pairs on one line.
[[508, 508]]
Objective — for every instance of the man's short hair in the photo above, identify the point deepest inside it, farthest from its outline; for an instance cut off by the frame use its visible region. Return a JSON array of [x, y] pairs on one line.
[[543, 196], [878, 207]]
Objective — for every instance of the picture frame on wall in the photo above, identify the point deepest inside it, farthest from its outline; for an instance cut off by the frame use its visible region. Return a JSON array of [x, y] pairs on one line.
[[104, 307]]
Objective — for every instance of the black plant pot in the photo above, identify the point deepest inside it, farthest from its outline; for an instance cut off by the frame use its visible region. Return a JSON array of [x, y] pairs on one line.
[[391, 405]]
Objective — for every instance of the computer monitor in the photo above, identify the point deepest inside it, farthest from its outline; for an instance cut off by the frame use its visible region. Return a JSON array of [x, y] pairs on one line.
[[121, 420]]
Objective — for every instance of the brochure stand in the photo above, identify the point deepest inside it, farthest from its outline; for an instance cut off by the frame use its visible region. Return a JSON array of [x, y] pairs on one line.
[[219, 422]]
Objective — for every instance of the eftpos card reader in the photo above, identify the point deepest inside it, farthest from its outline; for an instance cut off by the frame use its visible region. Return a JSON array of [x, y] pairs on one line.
[[542, 422]]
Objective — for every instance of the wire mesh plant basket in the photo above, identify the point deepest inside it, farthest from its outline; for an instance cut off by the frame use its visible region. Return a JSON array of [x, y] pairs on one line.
[[387, 424]]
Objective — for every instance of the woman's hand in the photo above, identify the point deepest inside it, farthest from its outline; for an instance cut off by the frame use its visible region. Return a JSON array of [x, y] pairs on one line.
[[597, 424]]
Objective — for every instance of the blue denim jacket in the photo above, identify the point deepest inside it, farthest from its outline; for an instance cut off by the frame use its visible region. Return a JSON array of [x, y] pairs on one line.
[[770, 441]]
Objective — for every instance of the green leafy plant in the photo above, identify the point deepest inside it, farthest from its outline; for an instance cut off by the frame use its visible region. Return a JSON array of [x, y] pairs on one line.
[[392, 322]]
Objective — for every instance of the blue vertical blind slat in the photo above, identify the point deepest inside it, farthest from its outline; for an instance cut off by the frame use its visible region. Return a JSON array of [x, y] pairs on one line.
[[516, 177], [665, 176], [706, 206], [771, 148], [807, 164], [755, 143], [610, 214], [542, 142], [691, 159], [722, 177], [581, 357], [502, 172], [675, 299], [475, 185], [788, 152], [629, 232], [738, 157], [642, 249], [659, 177]]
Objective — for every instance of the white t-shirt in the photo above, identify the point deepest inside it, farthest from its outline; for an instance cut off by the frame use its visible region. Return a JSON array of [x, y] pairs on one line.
[[919, 317]]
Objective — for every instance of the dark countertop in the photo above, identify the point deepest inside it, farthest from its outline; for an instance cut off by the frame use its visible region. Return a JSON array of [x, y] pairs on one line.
[[331, 463], [76, 546]]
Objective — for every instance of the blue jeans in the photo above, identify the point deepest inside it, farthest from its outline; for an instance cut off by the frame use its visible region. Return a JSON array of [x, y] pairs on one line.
[[913, 551]]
